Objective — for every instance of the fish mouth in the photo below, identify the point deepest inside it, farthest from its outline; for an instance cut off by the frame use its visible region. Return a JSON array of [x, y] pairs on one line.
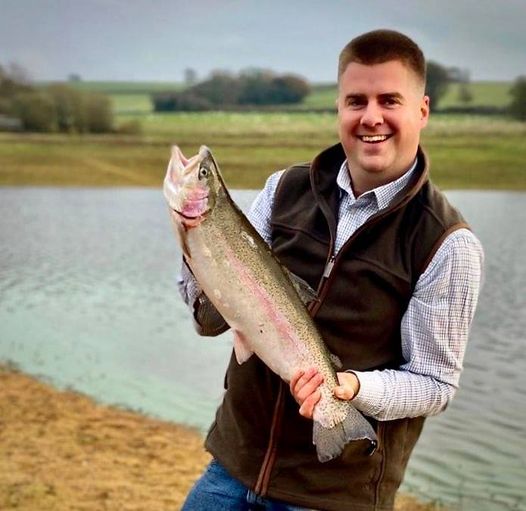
[[187, 217], [191, 218]]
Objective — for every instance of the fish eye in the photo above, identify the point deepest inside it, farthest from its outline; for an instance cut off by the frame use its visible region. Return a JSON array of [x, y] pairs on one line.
[[203, 172]]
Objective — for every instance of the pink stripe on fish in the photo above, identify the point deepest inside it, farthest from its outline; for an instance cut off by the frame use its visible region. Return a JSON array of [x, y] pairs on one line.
[[280, 321]]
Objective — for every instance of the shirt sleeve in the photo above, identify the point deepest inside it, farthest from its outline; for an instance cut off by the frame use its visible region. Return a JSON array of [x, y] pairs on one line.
[[434, 333], [261, 210], [207, 320]]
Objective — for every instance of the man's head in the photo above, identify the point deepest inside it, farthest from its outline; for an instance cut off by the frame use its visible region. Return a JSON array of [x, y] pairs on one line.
[[381, 46], [381, 106]]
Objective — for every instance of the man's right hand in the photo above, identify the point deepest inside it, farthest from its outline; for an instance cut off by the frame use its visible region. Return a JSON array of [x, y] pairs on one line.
[[304, 386]]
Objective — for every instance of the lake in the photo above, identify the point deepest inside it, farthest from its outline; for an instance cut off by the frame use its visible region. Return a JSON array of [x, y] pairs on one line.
[[89, 301]]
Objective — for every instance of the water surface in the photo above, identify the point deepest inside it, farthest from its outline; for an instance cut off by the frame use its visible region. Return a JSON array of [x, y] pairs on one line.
[[88, 300]]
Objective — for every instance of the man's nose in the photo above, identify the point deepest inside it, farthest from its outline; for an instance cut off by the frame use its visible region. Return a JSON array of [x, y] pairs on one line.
[[372, 116]]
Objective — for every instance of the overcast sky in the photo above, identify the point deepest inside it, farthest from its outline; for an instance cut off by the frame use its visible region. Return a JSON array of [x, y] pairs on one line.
[[157, 39]]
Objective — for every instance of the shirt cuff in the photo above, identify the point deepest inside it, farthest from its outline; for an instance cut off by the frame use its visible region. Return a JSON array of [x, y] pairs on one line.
[[371, 394]]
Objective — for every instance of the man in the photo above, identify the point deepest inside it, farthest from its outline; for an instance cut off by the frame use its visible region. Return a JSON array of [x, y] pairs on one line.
[[397, 273]]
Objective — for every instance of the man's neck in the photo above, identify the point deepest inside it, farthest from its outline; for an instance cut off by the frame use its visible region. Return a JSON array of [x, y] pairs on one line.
[[361, 186]]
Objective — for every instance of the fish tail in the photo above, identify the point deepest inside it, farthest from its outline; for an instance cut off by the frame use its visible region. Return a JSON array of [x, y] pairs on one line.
[[331, 441]]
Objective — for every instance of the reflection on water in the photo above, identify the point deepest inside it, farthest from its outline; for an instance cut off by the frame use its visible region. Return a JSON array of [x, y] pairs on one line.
[[88, 300]]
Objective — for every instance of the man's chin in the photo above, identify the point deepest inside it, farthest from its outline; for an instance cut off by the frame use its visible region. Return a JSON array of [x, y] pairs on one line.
[[373, 165]]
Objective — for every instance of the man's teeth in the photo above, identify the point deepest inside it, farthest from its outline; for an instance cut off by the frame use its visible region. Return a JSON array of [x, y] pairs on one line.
[[374, 138]]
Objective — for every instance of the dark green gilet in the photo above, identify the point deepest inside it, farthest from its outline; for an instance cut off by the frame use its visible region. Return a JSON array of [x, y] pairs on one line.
[[258, 434]]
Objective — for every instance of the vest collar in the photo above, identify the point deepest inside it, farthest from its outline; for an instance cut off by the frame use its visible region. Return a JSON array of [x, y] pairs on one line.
[[324, 172]]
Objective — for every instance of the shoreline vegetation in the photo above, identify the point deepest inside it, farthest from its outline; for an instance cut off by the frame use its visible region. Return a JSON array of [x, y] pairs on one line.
[[60, 450], [466, 151]]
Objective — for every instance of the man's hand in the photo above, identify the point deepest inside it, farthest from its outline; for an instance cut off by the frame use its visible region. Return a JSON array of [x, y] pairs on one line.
[[304, 387]]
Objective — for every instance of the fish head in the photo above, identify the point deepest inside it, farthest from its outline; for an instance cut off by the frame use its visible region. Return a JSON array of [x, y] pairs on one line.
[[191, 185]]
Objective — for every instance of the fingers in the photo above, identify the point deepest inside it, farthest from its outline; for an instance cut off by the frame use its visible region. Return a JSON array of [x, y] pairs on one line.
[[304, 387], [307, 408], [349, 386]]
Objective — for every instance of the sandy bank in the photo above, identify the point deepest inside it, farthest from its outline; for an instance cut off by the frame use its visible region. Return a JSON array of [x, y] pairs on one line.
[[61, 451]]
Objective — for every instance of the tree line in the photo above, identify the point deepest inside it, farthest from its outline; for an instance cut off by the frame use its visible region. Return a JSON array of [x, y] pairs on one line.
[[254, 87], [53, 108]]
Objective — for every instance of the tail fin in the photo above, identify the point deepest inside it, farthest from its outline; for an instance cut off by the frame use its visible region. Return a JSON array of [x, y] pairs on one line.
[[331, 441]]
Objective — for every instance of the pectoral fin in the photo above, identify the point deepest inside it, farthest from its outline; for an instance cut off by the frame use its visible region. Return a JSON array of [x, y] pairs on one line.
[[305, 292], [336, 362], [241, 348]]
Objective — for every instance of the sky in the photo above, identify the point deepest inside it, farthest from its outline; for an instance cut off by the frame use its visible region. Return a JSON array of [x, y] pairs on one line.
[[156, 40]]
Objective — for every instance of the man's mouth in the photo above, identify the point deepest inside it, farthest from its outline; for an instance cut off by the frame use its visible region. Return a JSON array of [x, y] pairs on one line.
[[374, 139]]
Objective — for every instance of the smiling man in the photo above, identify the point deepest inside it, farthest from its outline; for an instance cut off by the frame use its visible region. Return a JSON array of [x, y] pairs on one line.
[[397, 273], [381, 110]]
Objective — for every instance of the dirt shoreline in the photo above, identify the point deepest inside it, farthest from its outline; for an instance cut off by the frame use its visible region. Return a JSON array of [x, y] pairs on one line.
[[60, 450]]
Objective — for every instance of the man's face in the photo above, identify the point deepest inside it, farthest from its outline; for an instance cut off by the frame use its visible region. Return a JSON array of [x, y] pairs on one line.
[[381, 110]]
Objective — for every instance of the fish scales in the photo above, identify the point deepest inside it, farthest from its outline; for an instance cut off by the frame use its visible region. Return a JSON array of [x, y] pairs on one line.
[[239, 274], [243, 264]]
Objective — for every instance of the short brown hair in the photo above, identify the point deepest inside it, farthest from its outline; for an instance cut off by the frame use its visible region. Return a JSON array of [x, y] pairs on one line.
[[381, 46]]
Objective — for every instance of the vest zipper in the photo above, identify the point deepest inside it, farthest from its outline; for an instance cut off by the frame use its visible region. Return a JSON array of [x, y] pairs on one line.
[[328, 267]]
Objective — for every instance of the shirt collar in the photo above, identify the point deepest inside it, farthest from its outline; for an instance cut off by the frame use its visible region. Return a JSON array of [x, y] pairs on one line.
[[383, 194]]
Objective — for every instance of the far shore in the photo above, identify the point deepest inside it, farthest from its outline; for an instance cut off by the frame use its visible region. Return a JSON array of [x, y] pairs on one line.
[[60, 450]]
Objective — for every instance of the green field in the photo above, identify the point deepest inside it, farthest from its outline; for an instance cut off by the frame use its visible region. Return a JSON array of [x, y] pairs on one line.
[[484, 93], [493, 94], [466, 151]]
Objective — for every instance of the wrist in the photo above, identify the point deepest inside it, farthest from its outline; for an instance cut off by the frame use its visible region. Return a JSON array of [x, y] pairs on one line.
[[355, 383]]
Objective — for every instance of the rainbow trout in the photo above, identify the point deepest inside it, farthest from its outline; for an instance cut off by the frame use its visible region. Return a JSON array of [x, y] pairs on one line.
[[256, 296]]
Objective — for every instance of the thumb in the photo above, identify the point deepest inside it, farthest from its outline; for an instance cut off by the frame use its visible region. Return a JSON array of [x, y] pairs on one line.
[[343, 392]]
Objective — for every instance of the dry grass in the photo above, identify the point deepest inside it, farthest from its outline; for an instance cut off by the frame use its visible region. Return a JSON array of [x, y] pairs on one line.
[[60, 451]]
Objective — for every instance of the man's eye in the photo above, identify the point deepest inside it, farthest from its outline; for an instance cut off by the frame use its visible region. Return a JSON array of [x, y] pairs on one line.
[[354, 103], [390, 102]]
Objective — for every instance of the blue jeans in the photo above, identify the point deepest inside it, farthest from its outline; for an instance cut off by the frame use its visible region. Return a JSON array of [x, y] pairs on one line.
[[217, 490]]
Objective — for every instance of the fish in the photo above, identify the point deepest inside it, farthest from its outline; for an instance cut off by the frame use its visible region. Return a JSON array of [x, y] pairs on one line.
[[260, 299]]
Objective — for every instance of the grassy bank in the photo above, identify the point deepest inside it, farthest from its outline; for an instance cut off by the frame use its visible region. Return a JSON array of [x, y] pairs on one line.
[[466, 152], [61, 451]]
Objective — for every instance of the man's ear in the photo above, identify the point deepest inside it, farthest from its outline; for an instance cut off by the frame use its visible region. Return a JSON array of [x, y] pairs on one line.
[[424, 110]]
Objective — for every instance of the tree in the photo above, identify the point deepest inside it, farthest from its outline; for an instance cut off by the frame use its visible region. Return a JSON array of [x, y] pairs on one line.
[[437, 81], [222, 88], [36, 111], [69, 107], [98, 112], [518, 104], [79, 111], [13, 80], [289, 89]]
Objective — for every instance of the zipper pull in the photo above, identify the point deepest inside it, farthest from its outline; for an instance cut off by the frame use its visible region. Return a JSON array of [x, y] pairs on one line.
[[328, 267]]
